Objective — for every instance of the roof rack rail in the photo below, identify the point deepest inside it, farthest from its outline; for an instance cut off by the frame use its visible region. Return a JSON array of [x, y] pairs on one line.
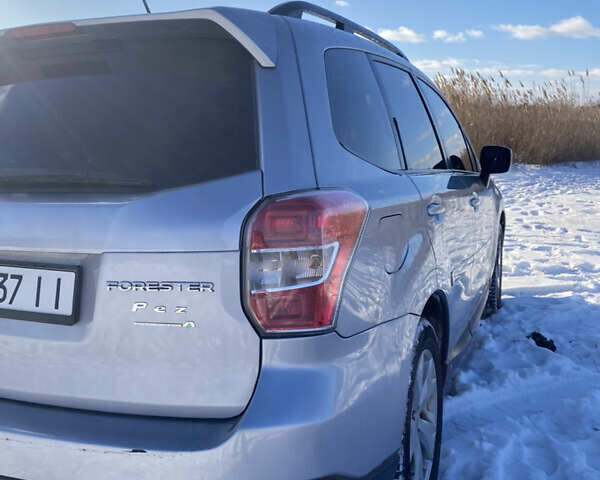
[[296, 9]]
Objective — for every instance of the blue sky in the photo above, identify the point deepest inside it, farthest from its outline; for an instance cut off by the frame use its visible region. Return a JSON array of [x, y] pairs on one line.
[[528, 40]]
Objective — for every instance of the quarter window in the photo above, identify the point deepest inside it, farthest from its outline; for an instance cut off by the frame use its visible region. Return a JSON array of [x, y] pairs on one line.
[[359, 117], [449, 131], [421, 149]]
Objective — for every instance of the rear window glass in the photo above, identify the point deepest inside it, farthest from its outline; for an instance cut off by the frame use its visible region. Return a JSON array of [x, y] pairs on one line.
[[360, 120], [146, 106]]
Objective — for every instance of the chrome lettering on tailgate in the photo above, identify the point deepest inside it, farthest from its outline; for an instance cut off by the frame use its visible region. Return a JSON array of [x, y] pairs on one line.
[[159, 286], [141, 307], [179, 310]]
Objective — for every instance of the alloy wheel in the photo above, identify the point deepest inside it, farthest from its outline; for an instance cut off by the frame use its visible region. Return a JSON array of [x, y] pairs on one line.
[[423, 424]]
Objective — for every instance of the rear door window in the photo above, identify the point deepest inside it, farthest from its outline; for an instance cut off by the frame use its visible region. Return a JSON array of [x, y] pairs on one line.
[[419, 143], [449, 131], [133, 106], [359, 116]]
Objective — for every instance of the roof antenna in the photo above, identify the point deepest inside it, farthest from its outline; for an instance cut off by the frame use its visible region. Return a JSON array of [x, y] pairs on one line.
[[147, 7]]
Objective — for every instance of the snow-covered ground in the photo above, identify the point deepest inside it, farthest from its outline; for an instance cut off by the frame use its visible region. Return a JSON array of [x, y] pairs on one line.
[[515, 410]]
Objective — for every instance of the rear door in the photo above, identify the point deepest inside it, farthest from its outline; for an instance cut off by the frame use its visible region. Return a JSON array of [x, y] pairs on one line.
[[128, 162], [486, 230], [480, 202], [445, 197]]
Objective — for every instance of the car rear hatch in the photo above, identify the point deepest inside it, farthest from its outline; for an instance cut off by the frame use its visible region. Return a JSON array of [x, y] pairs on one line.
[[128, 162]]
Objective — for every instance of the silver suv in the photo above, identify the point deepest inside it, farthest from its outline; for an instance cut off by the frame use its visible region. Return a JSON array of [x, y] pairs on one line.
[[235, 245]]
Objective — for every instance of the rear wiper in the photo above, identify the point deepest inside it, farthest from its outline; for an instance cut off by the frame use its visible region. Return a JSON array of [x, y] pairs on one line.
[[50, 181]]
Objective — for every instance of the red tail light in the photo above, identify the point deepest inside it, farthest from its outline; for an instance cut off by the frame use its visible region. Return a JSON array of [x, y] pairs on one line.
[[42, 31], [296, 253]]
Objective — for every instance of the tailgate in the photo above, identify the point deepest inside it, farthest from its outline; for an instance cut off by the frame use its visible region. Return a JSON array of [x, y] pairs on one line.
[[128, 163]]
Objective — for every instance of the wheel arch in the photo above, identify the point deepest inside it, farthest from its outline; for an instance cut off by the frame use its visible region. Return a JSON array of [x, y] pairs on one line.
[[436, 312]]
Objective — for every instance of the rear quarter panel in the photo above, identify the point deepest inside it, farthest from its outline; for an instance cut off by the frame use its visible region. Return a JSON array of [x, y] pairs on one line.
[[393, 270], [286, 154]]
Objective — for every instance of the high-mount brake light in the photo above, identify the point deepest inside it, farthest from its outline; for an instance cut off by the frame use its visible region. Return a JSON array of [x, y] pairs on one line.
[[41, 31], [297, 249]]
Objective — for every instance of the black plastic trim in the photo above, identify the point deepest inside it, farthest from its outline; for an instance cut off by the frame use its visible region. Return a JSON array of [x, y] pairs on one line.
[[133, 433], [384, 471]]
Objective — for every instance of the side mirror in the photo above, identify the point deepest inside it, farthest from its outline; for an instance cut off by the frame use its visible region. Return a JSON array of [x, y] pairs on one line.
[[494, 159]]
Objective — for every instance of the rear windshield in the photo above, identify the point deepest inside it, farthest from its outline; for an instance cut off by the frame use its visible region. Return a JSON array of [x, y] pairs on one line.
[[135, 106]]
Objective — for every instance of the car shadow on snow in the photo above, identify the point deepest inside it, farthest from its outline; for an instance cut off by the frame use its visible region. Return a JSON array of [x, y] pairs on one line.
[[500, 344]]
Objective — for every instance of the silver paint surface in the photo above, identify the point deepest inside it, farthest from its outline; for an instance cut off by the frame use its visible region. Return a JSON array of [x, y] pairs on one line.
[[319, 401], [107, 363], [310, 407]]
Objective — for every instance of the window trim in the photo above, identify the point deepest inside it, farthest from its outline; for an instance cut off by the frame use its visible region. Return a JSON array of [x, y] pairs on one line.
[[465, 138], [391, 119], [385, 61], [473, 155]]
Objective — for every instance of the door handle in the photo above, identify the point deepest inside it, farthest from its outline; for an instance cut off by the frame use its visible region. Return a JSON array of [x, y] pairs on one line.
[[435, 208], [475, 201]]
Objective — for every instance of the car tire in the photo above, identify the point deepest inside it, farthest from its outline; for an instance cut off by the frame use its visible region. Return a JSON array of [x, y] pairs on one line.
[[423, 423], [494, 300]]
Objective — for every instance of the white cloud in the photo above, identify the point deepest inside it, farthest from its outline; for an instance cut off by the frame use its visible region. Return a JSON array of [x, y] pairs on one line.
[[474, 33], [553, 73], [342, 3], [401, 34], [527, 73], [507, 72], [523, 32], [434, 66], [557, 73], [459, 37], [575, 27]]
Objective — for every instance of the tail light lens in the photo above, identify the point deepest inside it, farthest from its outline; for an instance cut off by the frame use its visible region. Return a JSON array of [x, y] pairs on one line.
[[296, 252]]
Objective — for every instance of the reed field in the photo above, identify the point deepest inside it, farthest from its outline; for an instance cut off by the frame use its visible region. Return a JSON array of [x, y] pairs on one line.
[[553, 122]]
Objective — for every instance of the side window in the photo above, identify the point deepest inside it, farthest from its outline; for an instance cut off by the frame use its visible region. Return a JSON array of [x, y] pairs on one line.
[[421, 149], [450, 133], [360, 119]]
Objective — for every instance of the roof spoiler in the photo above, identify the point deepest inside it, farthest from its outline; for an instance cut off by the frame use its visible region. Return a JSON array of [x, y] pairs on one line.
[[254, 31]]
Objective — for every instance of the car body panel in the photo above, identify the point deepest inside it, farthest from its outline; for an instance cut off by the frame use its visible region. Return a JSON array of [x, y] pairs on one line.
[[465, 250], [452, 237], [485, 234], [394, 254], [119, 360], [393, 265], [317, 398], [254, 30], [285, 147], [202, 217], [160, 328], [217, 401]]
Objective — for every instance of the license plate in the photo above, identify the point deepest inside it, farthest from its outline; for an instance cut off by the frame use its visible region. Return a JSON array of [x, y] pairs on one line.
[[38, 293]]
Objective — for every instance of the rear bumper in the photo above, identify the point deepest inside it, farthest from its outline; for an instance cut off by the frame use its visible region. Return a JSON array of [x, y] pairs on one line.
[[324, 407]]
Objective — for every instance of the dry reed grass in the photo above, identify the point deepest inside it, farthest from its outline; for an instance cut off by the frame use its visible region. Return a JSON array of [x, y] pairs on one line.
[[543, 124]]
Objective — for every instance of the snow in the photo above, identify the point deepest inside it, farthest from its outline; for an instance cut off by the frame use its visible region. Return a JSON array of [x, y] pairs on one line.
[[515, 410]]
